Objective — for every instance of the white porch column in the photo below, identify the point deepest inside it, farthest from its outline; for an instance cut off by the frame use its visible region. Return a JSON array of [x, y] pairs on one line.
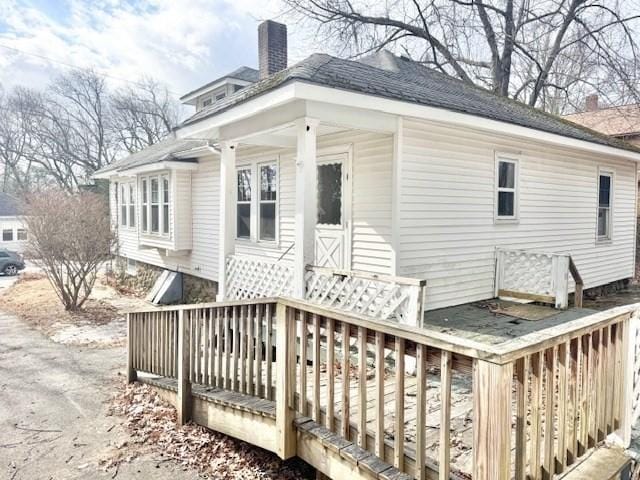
[[306, 199], [227, 222]]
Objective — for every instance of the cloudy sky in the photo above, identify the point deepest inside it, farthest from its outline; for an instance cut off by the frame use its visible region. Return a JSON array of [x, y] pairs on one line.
[[183, 43]]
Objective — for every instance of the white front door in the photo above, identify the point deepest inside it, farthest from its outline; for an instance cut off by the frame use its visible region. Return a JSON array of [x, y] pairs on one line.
[[333, 227]]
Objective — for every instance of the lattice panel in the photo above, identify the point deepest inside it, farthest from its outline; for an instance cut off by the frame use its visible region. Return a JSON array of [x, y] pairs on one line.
[[378, 299], [527, 272], [252, 277]]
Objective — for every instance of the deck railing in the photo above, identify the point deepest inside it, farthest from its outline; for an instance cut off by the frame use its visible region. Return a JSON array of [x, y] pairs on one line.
[[537, 404], [536, 276]]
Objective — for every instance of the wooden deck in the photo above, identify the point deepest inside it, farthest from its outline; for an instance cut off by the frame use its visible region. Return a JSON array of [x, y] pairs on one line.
[[455, 399]]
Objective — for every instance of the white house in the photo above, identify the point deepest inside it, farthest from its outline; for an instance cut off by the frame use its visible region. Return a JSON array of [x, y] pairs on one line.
[[378, 166], [13, 232]]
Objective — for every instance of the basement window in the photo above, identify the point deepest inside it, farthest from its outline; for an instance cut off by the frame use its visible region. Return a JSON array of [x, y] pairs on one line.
[[605, 195], [506, 197]]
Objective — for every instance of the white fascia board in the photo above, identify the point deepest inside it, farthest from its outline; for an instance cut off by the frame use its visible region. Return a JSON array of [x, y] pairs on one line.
[[153, 167], [406, 109], [198, 152], [208, 126]]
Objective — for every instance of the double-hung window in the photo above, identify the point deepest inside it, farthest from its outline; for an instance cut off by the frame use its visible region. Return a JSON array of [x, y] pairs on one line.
[[155, 199], [243, 204], [7, 234], [605, 196], [123, 204], [506, 189], [268, 202], [132, 206]]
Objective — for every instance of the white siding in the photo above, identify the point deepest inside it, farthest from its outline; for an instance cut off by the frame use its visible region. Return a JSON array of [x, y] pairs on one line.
[[371, 202], [202, 213], [447, 231], [13, 224]]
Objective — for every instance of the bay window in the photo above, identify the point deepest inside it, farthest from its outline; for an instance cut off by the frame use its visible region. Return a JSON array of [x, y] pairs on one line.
[[155, 198]]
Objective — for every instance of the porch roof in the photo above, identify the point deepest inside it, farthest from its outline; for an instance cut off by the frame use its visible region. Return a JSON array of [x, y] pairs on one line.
[[170, 149], [386, 75]]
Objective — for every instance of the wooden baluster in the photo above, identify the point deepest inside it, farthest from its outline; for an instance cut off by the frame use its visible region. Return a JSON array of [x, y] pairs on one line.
[[259, 388], [398, 432], [379, 438], [302, 407], [521, 418], [219, 323], [551, 360], [564, 351], [574, 371], [243, 348], [199, 338], [619, 370], [131, 341], [421, 410], [227, 349], [316, 367], [596, 397], [165, 344], [205, 346], [269, 353], [330, 329], [607, 387], [609, 378], [250, 349], [592, 415], [584, 345], [362, 387], [536, 412], [346, 365], [234, 334], [444, 456]]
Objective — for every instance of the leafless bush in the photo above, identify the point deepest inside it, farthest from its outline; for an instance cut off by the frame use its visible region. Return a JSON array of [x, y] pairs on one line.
[[70, 236]]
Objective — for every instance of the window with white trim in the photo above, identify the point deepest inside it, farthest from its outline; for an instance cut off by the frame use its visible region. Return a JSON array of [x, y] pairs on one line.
[[243, 204], [155, 200], [22, 234], [605, 196], [7, 234], [132, 206], [123, 204], [268, 201], [506, 189]]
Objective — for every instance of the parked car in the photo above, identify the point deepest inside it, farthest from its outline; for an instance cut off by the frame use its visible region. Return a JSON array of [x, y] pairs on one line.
[[10, 262]]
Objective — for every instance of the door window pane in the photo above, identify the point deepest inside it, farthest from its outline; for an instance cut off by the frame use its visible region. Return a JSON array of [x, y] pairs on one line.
[[330, 194]]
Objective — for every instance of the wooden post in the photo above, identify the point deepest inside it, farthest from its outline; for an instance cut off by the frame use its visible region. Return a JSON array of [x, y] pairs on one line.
[[285, 377], [630, 332], [306, 201], [132, 375], [492, 420], [227, 223], [184, 385]]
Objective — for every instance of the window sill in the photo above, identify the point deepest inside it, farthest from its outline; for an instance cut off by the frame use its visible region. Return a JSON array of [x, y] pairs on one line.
[[259, 243], [506, 221], [604, 241]]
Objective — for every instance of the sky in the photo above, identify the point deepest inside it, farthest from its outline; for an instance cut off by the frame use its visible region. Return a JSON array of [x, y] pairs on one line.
[[182, 43]]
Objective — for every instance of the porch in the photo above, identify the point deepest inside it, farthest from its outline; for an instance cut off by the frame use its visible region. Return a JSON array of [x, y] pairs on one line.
[[446, 401]]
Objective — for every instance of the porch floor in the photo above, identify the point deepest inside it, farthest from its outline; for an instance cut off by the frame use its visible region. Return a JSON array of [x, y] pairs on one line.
[[496, 321]]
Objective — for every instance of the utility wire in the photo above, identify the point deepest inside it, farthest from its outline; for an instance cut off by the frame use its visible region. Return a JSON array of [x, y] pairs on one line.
[[70, 65]]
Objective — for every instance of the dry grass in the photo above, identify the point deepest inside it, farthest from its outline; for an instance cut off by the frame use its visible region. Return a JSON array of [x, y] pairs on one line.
[[33, 299], [151, 424]]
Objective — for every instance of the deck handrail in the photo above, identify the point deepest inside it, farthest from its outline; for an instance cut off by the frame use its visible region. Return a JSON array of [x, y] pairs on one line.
[[292, 350]]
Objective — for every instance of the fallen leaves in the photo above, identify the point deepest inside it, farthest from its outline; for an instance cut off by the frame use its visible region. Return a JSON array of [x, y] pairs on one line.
[[151, 424]]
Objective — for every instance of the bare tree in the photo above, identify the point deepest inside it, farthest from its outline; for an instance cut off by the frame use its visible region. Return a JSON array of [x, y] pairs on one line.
[[517, 48], [143, 115], [70, 236]]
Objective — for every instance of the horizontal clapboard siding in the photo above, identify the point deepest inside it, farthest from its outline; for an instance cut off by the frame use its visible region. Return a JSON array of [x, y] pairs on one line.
[[202, 186], [446, 210]]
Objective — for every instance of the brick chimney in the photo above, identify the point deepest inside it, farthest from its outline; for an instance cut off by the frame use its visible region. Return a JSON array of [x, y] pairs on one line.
[[272, 47], [591, 103]]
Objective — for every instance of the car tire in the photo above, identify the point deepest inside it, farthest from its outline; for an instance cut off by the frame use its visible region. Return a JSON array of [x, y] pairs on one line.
[[10, 270]]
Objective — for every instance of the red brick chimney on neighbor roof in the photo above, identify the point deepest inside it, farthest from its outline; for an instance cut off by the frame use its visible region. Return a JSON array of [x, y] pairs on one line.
[[591, 103], [272, 47]]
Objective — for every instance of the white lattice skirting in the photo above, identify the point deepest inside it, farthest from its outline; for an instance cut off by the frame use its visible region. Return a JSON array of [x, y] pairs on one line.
[[366, 294], [251, 277]]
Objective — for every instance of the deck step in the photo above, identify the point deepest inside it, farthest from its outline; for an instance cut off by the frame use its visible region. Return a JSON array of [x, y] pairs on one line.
[[605, 463]]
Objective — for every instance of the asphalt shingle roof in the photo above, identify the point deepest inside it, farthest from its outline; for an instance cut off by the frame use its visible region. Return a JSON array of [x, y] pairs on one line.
[[388, 76], [161, 151], [9, 205]]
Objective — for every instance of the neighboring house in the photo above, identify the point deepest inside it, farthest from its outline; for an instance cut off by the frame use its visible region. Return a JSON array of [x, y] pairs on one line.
[[621, 122], [13, 232], [378, 165]]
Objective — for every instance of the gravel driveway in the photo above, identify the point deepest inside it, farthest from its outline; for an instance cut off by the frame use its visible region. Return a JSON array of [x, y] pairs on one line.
[[53, 422]]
